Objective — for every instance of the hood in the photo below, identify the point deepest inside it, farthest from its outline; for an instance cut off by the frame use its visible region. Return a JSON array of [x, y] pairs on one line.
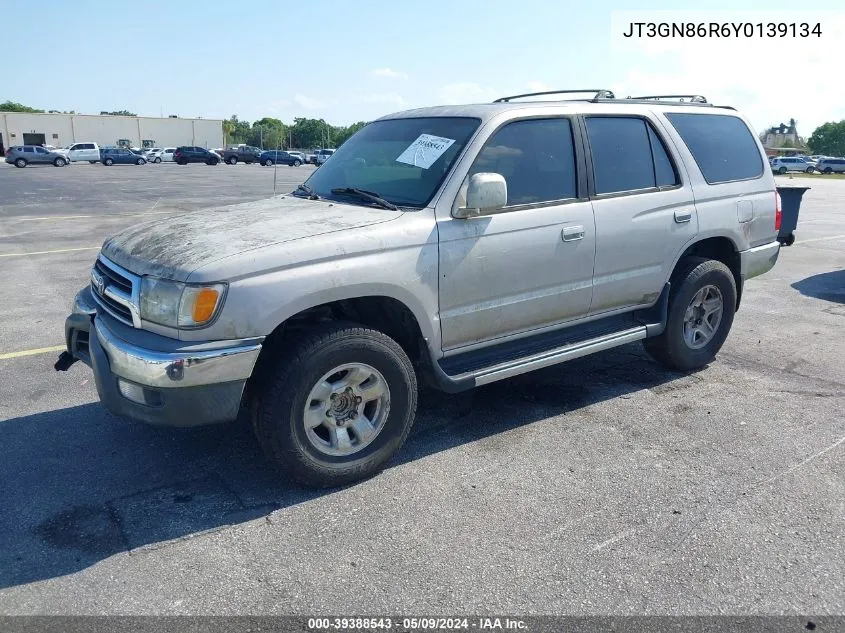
[[173, 248]]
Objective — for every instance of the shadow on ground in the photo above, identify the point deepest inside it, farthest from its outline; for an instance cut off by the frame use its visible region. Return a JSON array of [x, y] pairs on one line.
[[79, 485], [828, 286]]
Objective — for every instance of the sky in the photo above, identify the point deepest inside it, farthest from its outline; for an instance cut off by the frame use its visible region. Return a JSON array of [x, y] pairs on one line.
[[347, 61]]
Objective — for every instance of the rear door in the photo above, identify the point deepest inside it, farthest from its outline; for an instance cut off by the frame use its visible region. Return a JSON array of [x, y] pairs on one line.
[[644, 209]]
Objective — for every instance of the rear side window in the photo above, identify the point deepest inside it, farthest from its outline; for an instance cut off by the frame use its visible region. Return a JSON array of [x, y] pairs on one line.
[[628, 155], [535, 156], [29, 150], [723, 147]]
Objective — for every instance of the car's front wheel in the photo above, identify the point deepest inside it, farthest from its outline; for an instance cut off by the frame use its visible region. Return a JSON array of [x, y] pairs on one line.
[[702, 302], [810, 169], [297, 163], [333, 406], [140, 161], [60, 162]]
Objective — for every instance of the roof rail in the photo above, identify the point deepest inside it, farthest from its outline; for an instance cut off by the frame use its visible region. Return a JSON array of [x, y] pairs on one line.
[[598, 94], [692, 98]]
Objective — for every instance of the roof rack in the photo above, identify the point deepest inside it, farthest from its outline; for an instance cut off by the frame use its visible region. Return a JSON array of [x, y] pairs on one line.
[[598, 94], [692, 98]]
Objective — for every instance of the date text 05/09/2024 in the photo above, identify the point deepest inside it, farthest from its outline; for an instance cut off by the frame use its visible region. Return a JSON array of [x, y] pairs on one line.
[[417, 624], [722, 29]]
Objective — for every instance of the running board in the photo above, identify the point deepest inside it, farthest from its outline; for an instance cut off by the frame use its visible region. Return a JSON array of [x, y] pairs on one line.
[[553, 356], [480, 367]]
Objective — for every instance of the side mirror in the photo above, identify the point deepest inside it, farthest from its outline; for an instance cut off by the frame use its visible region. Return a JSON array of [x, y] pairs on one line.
[[486, 194]]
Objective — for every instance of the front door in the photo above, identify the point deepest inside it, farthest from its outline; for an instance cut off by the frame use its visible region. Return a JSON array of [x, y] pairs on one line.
[[531, 264]]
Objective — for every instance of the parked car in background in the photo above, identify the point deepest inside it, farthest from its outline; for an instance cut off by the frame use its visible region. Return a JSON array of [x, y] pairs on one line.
[[121, 156], [190, 154], [781, 165], [161, 155], [322, 155], [23, 155], [58, 150], [147, 152], [243, 153], [79, 152], [831, 165], [298, 155], [279, 157]]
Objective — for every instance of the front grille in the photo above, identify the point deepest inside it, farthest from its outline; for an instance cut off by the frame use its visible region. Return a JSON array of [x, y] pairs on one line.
[[117, 280]]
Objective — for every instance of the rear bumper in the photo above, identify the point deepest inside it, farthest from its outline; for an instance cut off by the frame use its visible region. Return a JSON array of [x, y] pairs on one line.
[[157, 380], [758, 260]]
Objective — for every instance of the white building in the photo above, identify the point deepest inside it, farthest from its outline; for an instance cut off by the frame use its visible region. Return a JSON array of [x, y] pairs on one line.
[[23, 128]]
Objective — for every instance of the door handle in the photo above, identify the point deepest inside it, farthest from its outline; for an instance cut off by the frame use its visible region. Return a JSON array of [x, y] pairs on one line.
[[683, 215], [572, 233]]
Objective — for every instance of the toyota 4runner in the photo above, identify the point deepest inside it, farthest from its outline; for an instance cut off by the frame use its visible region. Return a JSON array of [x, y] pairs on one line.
[[455, 245]]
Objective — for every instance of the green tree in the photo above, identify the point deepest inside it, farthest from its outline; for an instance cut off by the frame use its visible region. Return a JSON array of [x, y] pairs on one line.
[[11, 106], [828, 139], [269, 133], [343, 134], [119, 113]]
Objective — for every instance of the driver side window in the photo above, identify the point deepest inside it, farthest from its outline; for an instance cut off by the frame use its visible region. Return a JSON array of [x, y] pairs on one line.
[[536, 158]]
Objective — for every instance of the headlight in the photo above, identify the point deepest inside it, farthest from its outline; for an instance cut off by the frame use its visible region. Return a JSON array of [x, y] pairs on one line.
[[179, 305]]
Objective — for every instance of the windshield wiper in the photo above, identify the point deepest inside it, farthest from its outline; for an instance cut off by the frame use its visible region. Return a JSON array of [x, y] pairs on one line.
[[370, 196], [308, 191]]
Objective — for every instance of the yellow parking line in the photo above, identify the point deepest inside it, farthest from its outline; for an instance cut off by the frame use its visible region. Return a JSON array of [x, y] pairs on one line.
[[32, 352], [61, 250], [109, 215]]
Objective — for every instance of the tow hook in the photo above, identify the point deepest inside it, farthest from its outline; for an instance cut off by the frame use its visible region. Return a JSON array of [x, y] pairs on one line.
[[65, 361]]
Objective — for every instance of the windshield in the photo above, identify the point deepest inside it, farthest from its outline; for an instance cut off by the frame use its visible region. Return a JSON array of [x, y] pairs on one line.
[[403, 161]]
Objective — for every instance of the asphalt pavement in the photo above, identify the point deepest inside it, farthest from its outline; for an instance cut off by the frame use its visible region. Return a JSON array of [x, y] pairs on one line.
[[603, 486]]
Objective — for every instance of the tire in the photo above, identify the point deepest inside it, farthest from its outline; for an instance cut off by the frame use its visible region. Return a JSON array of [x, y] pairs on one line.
[[828, 170], [60, 162], [20, 163], [212, 162], [181, 162], [268, 163], [781, 170], [290, 380], [297, 163], [108, 162], [810, 170], [694, 276], [93, 162], [140, 161], [157, 160], [232, 160]]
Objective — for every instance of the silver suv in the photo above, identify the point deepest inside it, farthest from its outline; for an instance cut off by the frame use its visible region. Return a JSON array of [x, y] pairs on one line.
[[831, 165], [23, 155], [792, 163], [454, 245]]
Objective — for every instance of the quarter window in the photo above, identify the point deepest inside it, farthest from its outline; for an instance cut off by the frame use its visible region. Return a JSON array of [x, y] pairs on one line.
[[722, 145], [536, 157]]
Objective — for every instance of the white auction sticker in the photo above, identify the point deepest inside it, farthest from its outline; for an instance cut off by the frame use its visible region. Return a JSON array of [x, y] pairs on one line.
[[425, 150]]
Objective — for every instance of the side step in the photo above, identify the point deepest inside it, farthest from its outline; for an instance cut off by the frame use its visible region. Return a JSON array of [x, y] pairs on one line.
[[480, 367]]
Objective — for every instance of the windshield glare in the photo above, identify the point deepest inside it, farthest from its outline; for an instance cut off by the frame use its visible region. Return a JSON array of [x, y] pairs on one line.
[[402, 160]]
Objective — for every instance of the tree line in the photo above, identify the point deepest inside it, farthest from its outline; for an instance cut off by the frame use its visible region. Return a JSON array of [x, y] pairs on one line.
[[270, 133]]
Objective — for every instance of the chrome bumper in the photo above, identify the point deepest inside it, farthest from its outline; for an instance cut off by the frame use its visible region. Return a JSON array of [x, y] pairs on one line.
[[176, 369], [758, 260]]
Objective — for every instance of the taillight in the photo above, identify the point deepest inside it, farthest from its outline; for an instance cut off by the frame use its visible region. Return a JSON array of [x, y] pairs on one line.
[[778, 214]]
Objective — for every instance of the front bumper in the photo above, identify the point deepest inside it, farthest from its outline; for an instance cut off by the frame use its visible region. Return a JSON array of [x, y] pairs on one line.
[[758, 260], [157, 380]]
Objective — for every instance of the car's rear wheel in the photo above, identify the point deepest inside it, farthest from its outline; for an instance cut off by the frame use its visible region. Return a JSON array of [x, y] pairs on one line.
[[181, 161], [333, 406], [108, 162], [93, 162], [828, 170], [60, 162], [702, 302], [268, 163], [20, 162], [157, 160], [233, 160]]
